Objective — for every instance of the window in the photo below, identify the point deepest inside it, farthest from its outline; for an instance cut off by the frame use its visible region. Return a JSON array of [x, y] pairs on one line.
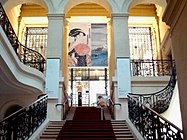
[[142, 43], [36, 39]]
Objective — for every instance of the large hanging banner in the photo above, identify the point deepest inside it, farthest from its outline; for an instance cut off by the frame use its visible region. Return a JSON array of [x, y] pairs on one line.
[[52, 78], [87, 45], [123, 77]]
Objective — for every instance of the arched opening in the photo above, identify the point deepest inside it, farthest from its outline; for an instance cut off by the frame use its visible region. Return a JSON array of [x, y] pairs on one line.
[[11, 110], [149, 14], [161, 3], [146, 35], [33, 27], [8, 5], [88, 28], [29, 21], [104, 4]]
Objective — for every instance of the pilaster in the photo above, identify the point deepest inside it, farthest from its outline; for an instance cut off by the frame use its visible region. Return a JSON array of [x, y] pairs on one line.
[[55, 63], [121, 52], [120, 35], [56, 37]]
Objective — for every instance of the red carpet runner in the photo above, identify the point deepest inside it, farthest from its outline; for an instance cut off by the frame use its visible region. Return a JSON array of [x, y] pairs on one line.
[[87, 113], [87, 125]]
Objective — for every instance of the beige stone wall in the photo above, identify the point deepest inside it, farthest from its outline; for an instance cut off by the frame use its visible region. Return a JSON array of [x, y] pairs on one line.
[[175, 17], [174, 108], [179, 42]]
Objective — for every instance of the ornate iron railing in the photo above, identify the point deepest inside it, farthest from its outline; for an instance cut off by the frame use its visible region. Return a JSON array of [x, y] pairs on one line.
[[151, 125], [147, 67], [27, 56], [158, 101], [23, 123]]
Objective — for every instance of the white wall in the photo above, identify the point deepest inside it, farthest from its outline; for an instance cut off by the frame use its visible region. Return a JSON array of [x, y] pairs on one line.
[[173, 114]]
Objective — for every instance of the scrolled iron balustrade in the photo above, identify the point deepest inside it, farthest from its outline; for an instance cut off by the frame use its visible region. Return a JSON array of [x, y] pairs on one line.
[[151, 125], [159, 101], [146, 67], [23, 123], [27, 56]]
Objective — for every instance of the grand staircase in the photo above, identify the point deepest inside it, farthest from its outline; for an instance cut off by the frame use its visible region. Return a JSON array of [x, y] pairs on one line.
[[85, 129]]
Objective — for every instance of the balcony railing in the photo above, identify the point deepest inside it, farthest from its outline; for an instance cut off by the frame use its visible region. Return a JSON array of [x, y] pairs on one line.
[[23, 123], [151, 125], [158, 101], [147, 67], [27, 56]]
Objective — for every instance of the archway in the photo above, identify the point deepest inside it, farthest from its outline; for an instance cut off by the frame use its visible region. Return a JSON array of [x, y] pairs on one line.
[[11, 110], [30, 16], [82, 19], [148, 14], [71, 3], [161, 3], [8, 5]]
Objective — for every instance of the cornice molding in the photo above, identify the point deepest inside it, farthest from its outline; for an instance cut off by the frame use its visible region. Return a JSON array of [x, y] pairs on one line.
[[173, 11]]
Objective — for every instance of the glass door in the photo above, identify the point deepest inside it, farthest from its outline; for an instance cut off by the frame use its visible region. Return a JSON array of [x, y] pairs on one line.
[[86, 84]]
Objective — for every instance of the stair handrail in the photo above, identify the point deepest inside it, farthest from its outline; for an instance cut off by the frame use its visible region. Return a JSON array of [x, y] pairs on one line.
[[40, 96], [112, 90], [65, 104], [111, 107], [158, 101], [111, 103], [150, 124], [26, 55], [65, 108], [24, 122]]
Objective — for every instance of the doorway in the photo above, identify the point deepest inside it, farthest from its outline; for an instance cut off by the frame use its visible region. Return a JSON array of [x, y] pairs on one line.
[[85, 84]]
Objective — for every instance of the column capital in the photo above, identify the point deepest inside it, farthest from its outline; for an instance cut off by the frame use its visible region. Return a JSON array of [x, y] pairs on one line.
[[56, 16], [120, 15]]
